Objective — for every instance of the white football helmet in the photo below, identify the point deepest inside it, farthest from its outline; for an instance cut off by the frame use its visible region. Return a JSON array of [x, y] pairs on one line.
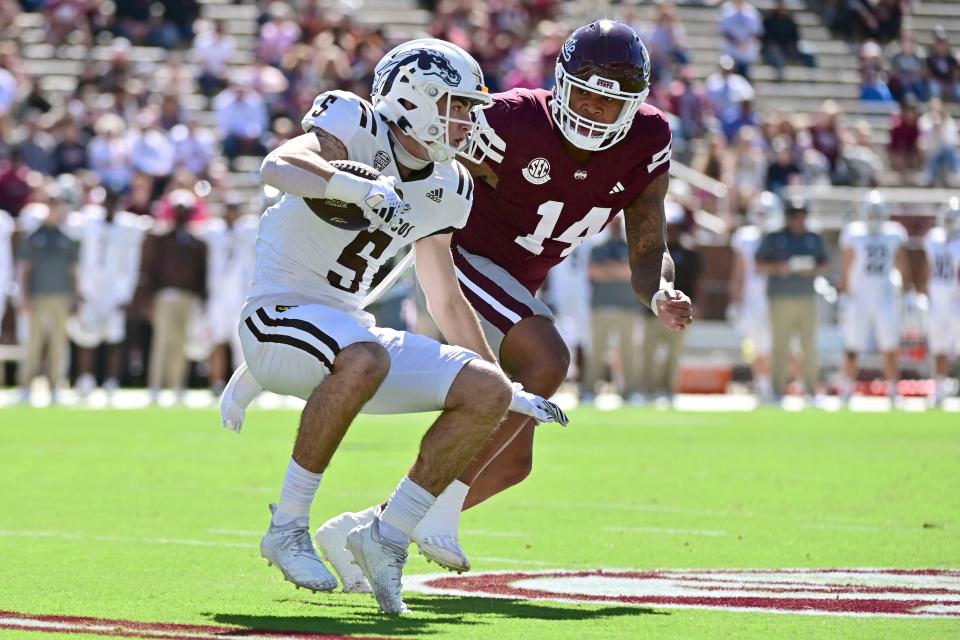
[[766, 212], [412, 78], [874, 210], [950, 217]]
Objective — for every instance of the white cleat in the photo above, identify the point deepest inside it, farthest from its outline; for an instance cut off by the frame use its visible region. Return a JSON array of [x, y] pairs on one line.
[[382, 563], [289, 548], [239, 392], [445, 551], [332, 540]]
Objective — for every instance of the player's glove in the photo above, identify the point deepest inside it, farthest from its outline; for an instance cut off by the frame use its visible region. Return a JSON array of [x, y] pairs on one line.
[[378, 198], [536, 407]]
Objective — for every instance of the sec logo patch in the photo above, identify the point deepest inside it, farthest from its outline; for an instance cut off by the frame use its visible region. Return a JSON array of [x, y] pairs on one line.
[[537, 171]]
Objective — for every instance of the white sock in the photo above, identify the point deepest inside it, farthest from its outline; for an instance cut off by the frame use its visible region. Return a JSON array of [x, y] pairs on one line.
[[939, 389], [444, 516], [892, 388], [296, 496], [405, 509]]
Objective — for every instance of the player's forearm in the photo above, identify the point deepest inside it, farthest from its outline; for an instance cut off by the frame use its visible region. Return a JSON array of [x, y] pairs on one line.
[[651, 273], [296, 175], [459, 325]]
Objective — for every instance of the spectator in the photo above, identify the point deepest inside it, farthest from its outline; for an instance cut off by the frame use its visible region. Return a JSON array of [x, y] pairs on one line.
[[277, 34], [615, 317], [828, 137], [667, 42], [741, 28], [194, 148], [791, 258], [139, 198], [70, 154], [660, 379], [744, 116], [727, 90], [783, 171], [688, 99], [908, 71], [939, 140], [943, 68], [15, 190], [873, 88], [170, 113], [37, 145], [174, 274], [904, 147], [242, 118], [48, 259], [8, 91], [749, 170], [213, 49], [152, 151], [111, 153], [781, 39], [862, 159]]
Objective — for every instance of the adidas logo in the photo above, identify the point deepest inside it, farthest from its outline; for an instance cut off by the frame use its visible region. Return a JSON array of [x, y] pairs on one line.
[[436, 195], [617, 188]]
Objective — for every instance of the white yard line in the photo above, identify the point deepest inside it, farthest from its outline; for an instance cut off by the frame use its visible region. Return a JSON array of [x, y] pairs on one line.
[[69, 535], [495, 534], [710, 533]]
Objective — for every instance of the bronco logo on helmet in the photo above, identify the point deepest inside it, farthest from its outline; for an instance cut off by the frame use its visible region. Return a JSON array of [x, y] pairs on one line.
[[429, 62]]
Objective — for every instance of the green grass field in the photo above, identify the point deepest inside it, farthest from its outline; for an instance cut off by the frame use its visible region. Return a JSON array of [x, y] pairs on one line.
[[155, 515]]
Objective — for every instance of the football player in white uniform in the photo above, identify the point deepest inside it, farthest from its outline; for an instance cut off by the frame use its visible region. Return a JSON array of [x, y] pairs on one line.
[[231, 252], [942, 246], [748, 288], [107, 274], [871, 278], [303, 329]]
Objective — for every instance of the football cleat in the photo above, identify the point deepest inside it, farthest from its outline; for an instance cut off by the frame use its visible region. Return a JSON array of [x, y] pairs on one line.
[[239, 392], [445, 551], [382, 563], [289, 548], [332, 540]]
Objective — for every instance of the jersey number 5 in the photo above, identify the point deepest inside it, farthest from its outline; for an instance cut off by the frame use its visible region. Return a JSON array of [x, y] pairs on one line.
[[576, 233], [353, 259]]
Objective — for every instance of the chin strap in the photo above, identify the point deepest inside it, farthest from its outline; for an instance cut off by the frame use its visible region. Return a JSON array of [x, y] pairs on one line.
[[404, 157]]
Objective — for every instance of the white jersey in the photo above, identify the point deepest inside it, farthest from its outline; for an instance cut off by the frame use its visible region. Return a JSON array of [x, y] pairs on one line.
[[303, 260], [874, 270], [109, 263], [231, 255], [943, 263], [746, 241]]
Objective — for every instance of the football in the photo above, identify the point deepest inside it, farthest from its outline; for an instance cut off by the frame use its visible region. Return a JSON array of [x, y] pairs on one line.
[[341, 214]]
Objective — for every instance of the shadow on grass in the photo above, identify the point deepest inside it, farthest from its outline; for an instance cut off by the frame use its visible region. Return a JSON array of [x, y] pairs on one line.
[[429, 615]]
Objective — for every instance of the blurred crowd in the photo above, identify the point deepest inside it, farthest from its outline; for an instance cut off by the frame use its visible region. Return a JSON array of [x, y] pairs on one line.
[[142, 133]]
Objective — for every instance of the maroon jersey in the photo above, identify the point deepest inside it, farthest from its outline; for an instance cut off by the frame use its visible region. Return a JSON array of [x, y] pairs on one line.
[[546, 203]]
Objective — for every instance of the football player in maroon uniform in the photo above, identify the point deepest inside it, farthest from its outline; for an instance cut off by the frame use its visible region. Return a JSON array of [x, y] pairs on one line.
[[573, 159], [561, 165]]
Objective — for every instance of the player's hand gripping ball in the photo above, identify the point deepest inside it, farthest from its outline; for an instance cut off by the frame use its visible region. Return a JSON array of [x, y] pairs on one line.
[[346, 215]]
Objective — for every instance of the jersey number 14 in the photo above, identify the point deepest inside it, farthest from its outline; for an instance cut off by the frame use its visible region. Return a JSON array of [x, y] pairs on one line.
[[574, 235]]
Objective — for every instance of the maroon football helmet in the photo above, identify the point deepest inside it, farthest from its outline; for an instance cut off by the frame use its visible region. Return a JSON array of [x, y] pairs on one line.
[[606, 57]]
